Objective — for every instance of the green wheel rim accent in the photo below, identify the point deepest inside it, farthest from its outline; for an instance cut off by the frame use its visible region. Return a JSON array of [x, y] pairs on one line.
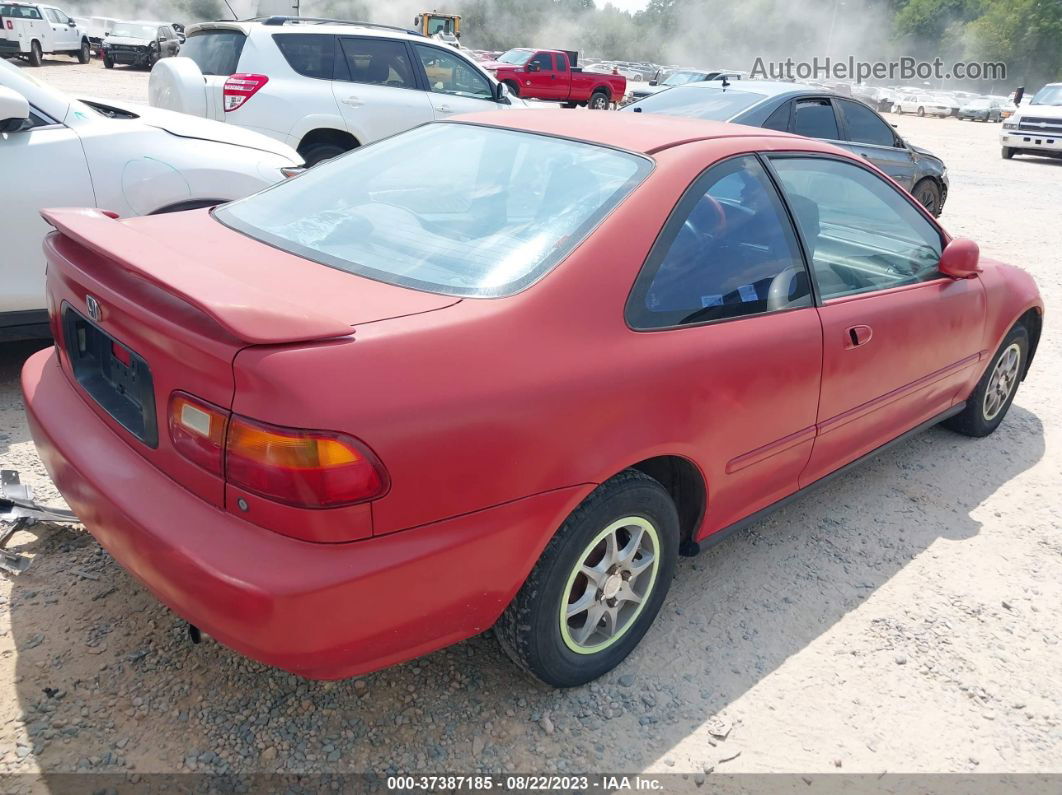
[[609, 585]]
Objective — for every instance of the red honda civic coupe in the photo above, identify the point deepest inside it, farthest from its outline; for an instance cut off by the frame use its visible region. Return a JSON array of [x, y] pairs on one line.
[[384, 406]]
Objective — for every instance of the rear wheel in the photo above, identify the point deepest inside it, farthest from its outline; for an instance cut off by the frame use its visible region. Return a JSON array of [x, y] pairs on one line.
[[927, 191], [598, 585], [36, 55], [598, 101], [313, 154], [84, 55], [991, 398]]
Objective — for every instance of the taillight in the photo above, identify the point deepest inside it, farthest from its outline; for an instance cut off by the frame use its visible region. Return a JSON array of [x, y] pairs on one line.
[[241, 87], [310, 469], [197, 430]]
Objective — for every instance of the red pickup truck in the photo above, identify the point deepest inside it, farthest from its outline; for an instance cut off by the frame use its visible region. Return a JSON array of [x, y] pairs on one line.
[[555, 75]]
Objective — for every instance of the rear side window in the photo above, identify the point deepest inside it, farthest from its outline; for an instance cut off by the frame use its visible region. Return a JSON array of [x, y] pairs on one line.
[[814, 118], [779, 120], [727, 251], [377, 62], [865, 126], [309, 54], [215, 52]]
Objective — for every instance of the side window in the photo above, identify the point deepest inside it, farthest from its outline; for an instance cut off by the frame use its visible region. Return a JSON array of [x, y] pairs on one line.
[[728, 250], [544, 62], [860, 231], [814, 118], [450, 74], [779, 119], [865, 126], [309, 54], [380, 62], [63, 18], [51, 15]]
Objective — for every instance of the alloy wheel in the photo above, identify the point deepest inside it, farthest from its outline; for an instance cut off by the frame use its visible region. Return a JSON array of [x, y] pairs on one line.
[[1001, 384]]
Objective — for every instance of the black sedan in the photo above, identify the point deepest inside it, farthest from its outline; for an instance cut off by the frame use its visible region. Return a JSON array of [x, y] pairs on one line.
[[816, 113]]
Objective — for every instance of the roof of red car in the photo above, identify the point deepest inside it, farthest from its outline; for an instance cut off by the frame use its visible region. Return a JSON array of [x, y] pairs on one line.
[[637, 132]]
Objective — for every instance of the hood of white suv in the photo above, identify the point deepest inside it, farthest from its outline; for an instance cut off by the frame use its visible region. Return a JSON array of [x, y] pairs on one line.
[[186, 126]]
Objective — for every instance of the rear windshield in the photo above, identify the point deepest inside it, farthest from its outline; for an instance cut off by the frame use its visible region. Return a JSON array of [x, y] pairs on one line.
[[698, 102], [449, 208], [25, 12], [215, 52]]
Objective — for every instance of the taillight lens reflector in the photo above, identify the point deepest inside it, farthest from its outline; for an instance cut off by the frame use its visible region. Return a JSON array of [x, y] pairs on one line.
[[241, 87], [197, 430], [310, 469]]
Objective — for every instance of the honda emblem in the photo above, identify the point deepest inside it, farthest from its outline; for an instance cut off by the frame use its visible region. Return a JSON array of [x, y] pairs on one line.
[[93, 308]]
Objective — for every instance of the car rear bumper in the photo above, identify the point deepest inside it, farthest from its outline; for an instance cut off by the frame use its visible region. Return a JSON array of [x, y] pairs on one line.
[[9, 47], [324, 611], [1029, 141]]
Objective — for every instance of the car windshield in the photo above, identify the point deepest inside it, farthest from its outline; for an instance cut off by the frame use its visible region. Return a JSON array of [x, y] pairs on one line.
[[1048, 95], [698, 102], [977, 103], [449, 208], [681, 78], [516, 57], [133, 31]]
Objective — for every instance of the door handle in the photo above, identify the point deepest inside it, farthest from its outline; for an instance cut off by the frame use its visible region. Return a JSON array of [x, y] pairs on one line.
[[856, 336], [864, 155], [445, 109], [353, 102]]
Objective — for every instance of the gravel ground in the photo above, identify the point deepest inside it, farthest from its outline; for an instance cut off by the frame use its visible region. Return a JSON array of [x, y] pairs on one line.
[[905, 618]]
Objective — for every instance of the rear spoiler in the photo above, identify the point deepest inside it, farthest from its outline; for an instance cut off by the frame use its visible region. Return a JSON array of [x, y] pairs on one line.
[[248, 312]]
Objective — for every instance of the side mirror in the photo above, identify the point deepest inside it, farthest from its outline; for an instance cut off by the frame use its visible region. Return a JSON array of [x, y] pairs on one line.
[[71, 23], [653, 82], [14, 110], [504, 94], [534, 67], [961, 259]]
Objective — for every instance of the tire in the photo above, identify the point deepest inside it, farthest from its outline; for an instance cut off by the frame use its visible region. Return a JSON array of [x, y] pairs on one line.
[[514, 89], [84, 55], [314, 154], [921, 111], [634, 510], [598, 101], [928, 194], [107, 63], [1007, 152], [152, 59], [36, 56], [990, 401]]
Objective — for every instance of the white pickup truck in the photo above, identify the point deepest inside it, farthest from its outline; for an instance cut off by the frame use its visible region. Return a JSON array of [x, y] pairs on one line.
[[29, 30]]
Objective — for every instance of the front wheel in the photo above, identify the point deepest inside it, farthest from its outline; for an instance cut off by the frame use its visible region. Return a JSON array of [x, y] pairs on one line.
[[84, 55], [598, 585], [991, 398], [927, 191], [921, 111], [1007, 152], [598, 101], [108, 62]]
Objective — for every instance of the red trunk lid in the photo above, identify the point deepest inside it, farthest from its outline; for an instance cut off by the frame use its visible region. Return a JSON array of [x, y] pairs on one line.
[[149, 306]]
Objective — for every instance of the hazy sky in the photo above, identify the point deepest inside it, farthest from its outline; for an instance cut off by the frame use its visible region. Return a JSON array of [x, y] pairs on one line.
[[625, 5]]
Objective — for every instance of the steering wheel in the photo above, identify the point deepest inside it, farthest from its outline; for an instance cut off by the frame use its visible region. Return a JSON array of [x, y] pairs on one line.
[[714, 216]]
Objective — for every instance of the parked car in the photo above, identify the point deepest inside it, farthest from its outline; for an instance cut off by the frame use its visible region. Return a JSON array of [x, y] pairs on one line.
[[128, 159], [32, 30], [982, 109], [323, 88], [554, 75], [139, 44], [880, 99], [1035, 128], [923, 105], [765, 310], [816, 113], [681, 78]]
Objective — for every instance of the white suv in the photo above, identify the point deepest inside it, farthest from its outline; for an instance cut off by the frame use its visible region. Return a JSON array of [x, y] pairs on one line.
[[321, 86]]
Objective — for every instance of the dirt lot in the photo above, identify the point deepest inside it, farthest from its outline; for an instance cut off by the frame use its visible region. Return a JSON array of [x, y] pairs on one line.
[[906, 618]]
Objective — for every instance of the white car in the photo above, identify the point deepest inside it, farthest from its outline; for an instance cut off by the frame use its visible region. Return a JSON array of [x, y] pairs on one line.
[[323, 87], [60, 152], [1035, 128], [29, 30], [923, 105]]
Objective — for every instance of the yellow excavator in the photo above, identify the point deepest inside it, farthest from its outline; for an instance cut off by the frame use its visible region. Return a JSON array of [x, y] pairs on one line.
[[443, 26]]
